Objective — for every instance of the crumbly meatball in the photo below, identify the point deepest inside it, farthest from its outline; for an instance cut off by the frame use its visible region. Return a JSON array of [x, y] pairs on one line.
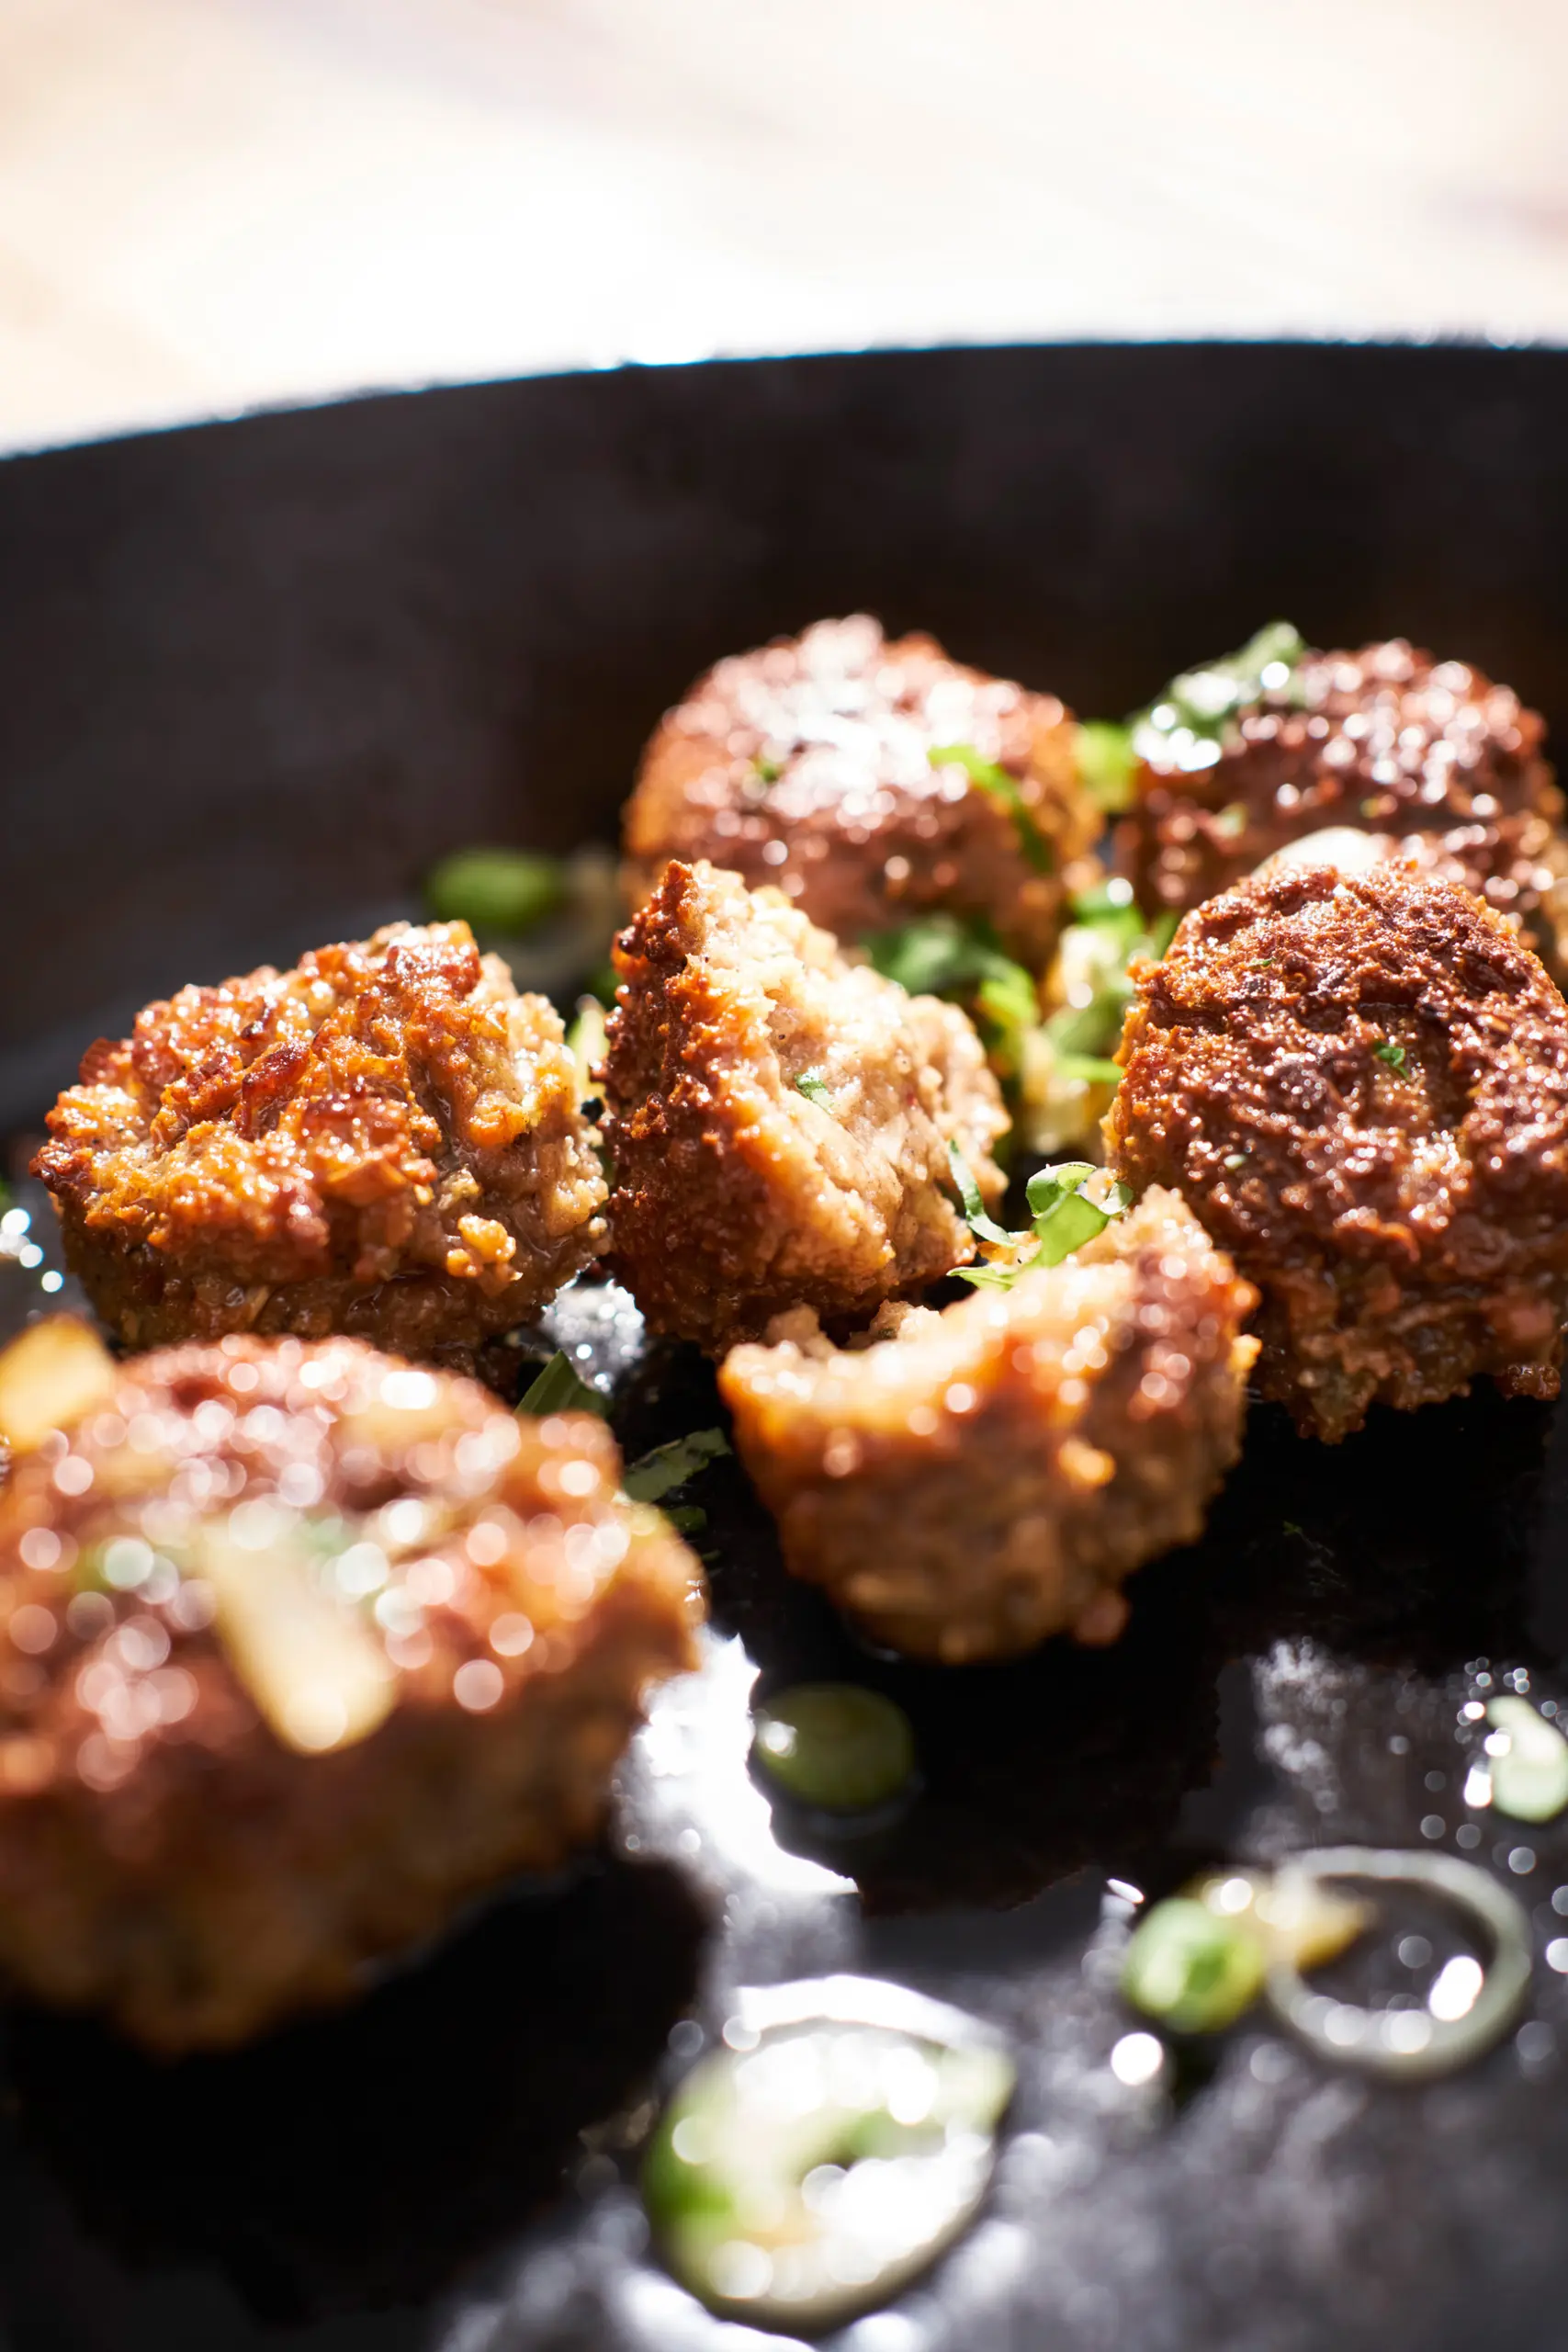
[[301, 1648], [990, 1474], [386, 1141], [779, 1120], [809, 764], [1431, 755], [1360, 1082]]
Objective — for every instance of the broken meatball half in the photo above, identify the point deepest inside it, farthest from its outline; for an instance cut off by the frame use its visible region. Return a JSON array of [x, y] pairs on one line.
[[385, 1140], [1360, 1082], [990, 1474], [779, 1120], [301, 1649], [1278, 741], [873, 780]]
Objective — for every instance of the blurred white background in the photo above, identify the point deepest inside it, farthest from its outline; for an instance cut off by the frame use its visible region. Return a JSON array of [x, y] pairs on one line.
[[206, 204]]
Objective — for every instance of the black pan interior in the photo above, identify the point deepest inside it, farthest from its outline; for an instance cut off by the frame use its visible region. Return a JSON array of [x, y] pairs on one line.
[[252, 679]]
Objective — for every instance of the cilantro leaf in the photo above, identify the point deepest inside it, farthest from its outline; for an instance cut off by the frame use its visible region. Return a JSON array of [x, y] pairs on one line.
[[1006, 790], [1202, 704], [1393, 1055], [560, 1389], [974, 1206], [1107, 763], [812, 1087], [659, 1472]]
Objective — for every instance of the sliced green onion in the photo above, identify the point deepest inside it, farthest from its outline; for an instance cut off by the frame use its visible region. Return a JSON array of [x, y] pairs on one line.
[[1191, 1969], [1005, 789], [586, 1043], [503, 892], [1107, 763], [559, 1388], [658, 1474], [835, 1745], [1412, 2045], [974, 1206], [819, 2159], [815, 1090], [1529, 1761]]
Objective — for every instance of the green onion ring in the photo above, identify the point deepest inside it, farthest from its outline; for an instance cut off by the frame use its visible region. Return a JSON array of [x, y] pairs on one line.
[[1410, 2045]]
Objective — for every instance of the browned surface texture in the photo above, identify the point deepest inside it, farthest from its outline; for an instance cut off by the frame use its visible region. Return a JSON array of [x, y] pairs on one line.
[[991, 1474], [385, 1140], [1407, 1225], [1431, 755], [736, 1196], [164, 1855], [807, 764]]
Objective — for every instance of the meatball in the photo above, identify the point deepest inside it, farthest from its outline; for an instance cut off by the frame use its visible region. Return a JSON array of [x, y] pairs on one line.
[[779, 1120], [1430, 755], [990, 1474], [1360, 1082], [386, 1141], [301, 1649], [816, 764]]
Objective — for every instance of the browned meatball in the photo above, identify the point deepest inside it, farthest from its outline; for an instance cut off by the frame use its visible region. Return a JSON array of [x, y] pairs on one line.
[[1431, 755], [815, 764], [1359, 1081], [779, 1120], [990, 1474], [300, 1649], [385, 1140]]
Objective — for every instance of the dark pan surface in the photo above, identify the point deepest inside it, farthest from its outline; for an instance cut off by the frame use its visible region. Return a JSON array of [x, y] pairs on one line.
[[252, 679]]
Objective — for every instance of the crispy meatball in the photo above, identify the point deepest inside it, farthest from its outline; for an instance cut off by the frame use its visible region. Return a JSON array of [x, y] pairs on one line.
[[779, 1120], [385, 1140], [301, 1648], [990, 1474], [1430, 755], [809, 763], [1360, 1082]]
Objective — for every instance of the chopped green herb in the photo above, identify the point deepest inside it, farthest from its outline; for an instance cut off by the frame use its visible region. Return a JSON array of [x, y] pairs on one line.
[[1201, 705], [1393, 1055], [503, 892], [769, 770], [1107, 763], [1005, 789], [1162, 931], [943, 954], [1191, 1969], [1093, 1069], [835, 1745], [974, 1206], [560, 1389], [1064, 1219], [812, 1087], [686, 1519], [1291, 1526], [658, 1474]]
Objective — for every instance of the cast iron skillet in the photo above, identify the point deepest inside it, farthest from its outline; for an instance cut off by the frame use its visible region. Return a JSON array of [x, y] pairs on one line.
[[252, 679]]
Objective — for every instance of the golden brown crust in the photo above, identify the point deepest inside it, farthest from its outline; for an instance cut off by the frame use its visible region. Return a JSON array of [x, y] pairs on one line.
[[736, 1196], [1433, 755], [990, 1476], [385, 1140], [1404, 1210], [164, 1856], [847, 813]]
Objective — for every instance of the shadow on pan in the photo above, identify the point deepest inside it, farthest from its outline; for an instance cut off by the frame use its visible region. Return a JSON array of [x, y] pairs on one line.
[[360, 2161]]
